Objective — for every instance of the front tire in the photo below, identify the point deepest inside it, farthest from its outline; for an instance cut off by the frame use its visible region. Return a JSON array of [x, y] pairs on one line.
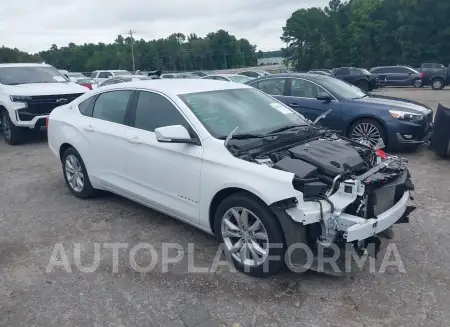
[[75, 174], [251, 235], [13, 135], [367, 132], [364, 85]]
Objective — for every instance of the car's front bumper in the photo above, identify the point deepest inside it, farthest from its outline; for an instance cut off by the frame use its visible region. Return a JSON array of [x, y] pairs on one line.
[[358, 229], [405, 133]]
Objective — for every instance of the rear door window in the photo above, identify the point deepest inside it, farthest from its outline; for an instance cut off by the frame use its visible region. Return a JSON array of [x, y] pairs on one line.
[[112, 106]]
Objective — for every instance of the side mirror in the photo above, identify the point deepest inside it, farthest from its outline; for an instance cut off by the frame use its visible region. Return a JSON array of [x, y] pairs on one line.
[[324, 96], [174, 134]]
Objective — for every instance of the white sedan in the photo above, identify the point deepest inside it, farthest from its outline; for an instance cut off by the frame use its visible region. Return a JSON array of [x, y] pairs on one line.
[[233, 162]]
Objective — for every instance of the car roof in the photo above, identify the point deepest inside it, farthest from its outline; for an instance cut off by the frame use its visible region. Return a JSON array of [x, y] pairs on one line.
[[224, 75], [180, 86], [25, 65], [294, 75]]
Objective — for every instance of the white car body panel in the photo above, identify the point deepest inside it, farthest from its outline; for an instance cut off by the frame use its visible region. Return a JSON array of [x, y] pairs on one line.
[[183, 179]]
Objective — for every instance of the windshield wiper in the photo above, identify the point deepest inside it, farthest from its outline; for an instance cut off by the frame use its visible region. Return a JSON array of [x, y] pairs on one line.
[[356, 98], [285, 128], [244, 136], [322, 116]]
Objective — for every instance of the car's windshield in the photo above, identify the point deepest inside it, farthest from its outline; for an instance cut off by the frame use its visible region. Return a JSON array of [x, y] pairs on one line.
[[121, 72], [239, 78], [30, 74], [249, 109], [341, 89]]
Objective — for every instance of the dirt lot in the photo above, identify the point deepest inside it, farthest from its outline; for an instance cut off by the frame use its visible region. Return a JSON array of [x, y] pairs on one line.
[[37, 211]]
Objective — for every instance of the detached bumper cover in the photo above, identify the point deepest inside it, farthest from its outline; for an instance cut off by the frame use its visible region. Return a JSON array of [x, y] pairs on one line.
[[358, 229]]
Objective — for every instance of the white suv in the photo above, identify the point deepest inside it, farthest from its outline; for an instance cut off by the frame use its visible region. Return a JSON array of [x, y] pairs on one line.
[[28, 93]]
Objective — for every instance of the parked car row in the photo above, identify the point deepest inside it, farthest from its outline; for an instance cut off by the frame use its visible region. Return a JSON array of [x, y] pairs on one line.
[[252, 164]]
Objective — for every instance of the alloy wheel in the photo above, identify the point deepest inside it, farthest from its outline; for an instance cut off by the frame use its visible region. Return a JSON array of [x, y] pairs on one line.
[[74, 173], [245, 236], [6, 127], [366, 134], [417, 83]]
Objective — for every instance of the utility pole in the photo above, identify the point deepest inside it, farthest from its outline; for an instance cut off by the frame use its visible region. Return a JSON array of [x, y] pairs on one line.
[[132, 48]]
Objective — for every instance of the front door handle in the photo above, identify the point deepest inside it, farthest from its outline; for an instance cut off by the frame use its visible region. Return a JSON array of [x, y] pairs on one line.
[[89, 128], [134, 140], [294, 105]]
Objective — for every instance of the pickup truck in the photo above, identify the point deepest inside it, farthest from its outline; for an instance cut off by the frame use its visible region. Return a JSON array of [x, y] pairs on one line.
[[436, 75]]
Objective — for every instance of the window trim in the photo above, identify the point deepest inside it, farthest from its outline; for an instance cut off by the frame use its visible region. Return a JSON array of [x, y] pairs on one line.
[[133, 108], [304, 79], [257, 80], [95, 98]]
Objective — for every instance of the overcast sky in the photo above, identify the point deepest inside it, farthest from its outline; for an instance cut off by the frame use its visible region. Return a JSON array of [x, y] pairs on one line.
[[34, 25]]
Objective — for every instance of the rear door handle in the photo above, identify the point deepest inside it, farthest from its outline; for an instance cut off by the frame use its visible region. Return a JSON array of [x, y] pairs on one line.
[[134, 140], [89, 128], [294, 105]]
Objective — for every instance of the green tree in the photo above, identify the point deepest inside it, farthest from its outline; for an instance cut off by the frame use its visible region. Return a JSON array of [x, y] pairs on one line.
[[177, 52]]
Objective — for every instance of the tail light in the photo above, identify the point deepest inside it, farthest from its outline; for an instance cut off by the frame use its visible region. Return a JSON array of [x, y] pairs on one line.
[[421, 75], [46, 122], [89, 86]]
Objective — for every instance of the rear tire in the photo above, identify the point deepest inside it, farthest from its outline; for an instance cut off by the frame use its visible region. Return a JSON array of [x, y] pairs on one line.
[[13, 135], [417, 83], [256, 251], [437, 83], [76, 175]]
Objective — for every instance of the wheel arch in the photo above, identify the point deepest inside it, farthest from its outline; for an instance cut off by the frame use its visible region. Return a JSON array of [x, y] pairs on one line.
[[63, 148], [221, 195]]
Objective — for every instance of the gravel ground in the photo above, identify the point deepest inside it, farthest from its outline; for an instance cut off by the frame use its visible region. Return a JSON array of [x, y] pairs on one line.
[[37, 212]]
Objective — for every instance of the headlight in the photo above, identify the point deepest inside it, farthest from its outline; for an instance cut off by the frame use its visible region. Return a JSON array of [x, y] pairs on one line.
[[20, 98], [404, 115]]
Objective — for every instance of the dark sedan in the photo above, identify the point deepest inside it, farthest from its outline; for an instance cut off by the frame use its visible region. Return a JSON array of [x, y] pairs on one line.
[[359, 77], [357, 115]]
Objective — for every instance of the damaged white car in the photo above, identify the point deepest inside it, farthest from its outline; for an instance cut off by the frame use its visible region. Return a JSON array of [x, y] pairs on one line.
[[232, 161]]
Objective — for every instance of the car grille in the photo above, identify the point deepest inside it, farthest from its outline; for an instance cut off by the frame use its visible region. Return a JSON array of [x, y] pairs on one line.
[[44, 104]]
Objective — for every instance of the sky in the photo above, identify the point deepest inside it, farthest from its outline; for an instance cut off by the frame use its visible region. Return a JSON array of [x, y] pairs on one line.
[[34, 25]]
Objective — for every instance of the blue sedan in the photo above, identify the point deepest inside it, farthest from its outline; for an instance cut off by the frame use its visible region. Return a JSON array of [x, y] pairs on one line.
[[361, 117]]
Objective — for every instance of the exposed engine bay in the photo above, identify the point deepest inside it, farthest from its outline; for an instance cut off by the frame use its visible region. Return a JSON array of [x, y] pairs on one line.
[[328, 167]]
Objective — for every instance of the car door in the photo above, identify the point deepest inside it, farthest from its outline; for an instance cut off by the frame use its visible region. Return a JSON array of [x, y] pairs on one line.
[[302, 95], [398, 76], [162, 175], [274, 86], [103, 127]]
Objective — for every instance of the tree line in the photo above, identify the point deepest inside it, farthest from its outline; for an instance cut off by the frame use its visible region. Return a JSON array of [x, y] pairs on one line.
[[178, 52], [367, 33]]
